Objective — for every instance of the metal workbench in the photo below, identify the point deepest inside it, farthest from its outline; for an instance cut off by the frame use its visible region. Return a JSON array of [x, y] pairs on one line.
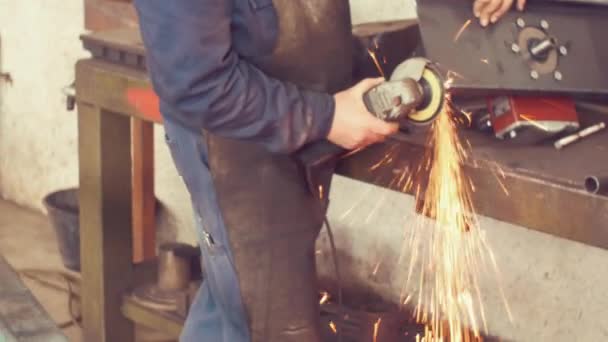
[[544, 186]]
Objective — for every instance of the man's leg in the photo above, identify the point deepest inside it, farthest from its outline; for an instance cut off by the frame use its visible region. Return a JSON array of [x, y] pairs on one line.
[[217, 314]]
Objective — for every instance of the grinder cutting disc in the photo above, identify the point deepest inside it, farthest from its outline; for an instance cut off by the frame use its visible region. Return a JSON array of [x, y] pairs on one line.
[[423, 71], [432, 103]]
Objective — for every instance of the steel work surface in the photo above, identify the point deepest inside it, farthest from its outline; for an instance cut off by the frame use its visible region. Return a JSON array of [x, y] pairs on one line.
[[539, 187], [22, 318]]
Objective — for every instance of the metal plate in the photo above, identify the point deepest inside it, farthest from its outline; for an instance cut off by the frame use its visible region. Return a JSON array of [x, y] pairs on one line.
[[484, 58], [539, 187]]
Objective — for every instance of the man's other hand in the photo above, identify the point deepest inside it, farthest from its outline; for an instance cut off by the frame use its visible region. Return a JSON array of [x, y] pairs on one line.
[[489, 11], [353, 125]]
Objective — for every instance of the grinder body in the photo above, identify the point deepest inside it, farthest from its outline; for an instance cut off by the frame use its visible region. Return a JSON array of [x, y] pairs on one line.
[[412, 96]]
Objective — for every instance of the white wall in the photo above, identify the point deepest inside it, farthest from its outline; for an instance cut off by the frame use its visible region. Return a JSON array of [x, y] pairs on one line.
[[37, 136], [556, 288]]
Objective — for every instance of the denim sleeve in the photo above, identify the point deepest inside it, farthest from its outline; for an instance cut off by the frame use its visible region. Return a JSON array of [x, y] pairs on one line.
[[204, 84]]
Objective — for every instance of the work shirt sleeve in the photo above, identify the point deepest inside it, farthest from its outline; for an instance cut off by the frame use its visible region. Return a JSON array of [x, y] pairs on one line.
[[204, 84]]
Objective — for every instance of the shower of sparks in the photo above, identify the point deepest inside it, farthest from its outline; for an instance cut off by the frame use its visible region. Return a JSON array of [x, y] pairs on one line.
[[462, 29], [375, 59], [453, 258], [376, 328]]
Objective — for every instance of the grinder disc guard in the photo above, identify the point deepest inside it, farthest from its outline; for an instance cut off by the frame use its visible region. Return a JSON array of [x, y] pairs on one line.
[[432, 103], [427, 75]]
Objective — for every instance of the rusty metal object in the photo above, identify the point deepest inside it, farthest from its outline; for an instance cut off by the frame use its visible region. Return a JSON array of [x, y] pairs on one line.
[[172, 289], [174, 266]]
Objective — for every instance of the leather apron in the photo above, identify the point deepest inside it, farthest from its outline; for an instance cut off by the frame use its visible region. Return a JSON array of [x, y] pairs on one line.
[[272, 219]]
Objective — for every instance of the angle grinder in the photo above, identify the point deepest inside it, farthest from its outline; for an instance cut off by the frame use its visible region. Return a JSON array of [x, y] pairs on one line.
[[413, 95]]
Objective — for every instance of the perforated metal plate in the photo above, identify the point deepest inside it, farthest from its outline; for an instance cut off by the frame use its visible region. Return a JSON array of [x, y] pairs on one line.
[[485, 57]]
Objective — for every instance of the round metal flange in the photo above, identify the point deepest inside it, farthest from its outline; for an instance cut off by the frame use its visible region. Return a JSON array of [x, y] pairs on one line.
[[530, 34], [153, 297]]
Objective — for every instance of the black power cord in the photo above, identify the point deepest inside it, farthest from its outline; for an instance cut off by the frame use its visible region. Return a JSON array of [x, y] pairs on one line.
[[334, 256], [41, 276]]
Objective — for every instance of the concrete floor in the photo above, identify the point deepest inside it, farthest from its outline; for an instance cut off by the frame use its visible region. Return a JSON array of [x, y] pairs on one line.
[[556, 288], [28, 241]]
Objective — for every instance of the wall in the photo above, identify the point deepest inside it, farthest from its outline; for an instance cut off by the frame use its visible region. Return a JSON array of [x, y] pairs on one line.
[[555, 287]]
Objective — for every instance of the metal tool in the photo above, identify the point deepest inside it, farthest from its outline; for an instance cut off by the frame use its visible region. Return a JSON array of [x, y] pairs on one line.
[[413, 95], [530, 120], [176, 284], [579, 135]]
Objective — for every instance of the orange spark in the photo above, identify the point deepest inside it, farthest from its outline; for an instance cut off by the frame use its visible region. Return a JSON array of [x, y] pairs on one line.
[[456, 255], [464, 27], [333, 328], [376, 327], [534, 122], [375, 59], [376, 268], [324, 299], [485, 60]]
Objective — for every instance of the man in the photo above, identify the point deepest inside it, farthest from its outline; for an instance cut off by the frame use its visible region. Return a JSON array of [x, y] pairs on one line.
[[256, 219]]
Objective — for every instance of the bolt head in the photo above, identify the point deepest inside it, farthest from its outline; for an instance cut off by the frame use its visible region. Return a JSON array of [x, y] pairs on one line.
[[534, 74], [558, 75], [515, 48], [544, 24], [563, 50], [521, 23], [512, 134]]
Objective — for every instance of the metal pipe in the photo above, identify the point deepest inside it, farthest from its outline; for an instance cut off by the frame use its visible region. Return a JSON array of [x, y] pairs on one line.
[[596, 185], [174, 266]]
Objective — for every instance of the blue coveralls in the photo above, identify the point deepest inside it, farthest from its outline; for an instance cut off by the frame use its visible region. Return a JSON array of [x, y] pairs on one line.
[[201, 56]]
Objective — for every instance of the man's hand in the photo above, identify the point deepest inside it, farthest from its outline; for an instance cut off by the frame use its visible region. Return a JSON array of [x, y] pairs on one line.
[[353, 125], [489, 11]]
